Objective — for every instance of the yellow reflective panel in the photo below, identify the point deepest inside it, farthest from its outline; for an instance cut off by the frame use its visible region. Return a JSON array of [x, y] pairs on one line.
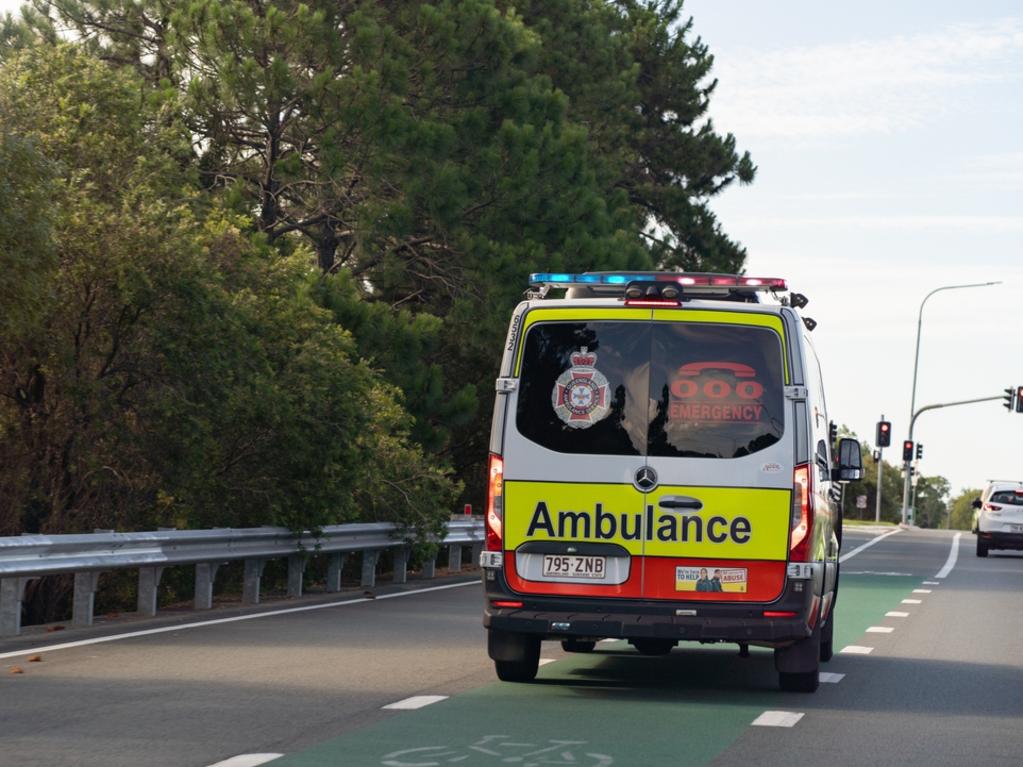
[[735, 523]]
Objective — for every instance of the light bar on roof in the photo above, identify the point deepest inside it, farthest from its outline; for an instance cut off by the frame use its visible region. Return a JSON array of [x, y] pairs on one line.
[[690, 279]]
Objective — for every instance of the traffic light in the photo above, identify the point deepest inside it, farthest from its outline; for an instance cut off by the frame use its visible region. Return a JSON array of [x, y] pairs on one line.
[[1019, 399], [907, 450], [1010, 399], [884, 434], [919, 450]]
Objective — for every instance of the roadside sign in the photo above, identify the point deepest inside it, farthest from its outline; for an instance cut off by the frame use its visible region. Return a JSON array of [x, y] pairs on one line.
[[861, 501]]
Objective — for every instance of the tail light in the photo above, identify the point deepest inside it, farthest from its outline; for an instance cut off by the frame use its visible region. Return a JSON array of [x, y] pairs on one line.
[[992, 507], [495, 503], [801, 521]]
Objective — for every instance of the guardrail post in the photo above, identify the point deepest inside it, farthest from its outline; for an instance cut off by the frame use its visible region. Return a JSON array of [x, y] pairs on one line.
[[205, 575], [477, 549], [84, 599], [296, 567], [335, 563], [149, 584], [369, 567], [250, 582], [454, 557], [12, 593], [401, 564], [430, 567]]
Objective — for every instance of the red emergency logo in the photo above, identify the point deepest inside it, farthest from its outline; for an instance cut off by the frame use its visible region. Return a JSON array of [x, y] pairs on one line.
[[716, 392]]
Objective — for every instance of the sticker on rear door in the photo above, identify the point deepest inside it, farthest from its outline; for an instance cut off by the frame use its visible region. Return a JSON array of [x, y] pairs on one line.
[[582, 394], [709, 579]]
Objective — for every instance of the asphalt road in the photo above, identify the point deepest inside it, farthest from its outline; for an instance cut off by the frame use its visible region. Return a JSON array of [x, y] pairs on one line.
[[943, 687]]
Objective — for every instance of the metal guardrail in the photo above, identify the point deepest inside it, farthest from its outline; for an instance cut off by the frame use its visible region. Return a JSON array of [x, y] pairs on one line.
[[27, 557]]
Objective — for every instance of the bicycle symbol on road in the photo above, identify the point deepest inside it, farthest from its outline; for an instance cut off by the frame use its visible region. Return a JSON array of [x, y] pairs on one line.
[[504, 750]]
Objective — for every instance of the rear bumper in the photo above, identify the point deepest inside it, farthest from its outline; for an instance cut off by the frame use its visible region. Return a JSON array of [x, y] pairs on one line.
[[996, 540], [585, 618]]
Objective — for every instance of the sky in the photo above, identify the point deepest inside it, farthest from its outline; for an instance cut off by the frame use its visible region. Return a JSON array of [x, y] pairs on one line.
[[889, 143]]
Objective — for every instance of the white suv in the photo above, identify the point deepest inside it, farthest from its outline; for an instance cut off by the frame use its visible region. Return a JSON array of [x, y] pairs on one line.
[[998, 520]]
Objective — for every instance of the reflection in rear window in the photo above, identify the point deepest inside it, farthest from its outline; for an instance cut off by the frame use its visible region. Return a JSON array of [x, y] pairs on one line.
[[1010, 497], [662, 389]]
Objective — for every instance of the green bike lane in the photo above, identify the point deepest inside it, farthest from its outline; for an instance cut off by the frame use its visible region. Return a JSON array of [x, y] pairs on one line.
[[611, 707]]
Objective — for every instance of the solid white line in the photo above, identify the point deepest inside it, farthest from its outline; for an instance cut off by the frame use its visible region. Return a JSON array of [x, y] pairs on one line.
[[854, 649], [880, 630], [777, 719], [247, 760], [866, 545], [912, 601], [416, 701], [896, 614], [827, 677], [921, 591], [545, 661], [234, 619], [953, 555]]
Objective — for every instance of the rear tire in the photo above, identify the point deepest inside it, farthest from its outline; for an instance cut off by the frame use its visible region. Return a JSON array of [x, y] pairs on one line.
[[806, 681], [981, 548], [828, 637], [577, 645], [517, 670], [798, 664], [516, 656], [653, 646]]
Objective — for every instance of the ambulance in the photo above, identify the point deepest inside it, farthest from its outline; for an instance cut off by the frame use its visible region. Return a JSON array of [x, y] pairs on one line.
[[662, 470]]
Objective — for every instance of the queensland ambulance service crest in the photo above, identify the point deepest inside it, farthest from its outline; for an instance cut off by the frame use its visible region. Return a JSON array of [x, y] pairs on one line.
[[582, 395]]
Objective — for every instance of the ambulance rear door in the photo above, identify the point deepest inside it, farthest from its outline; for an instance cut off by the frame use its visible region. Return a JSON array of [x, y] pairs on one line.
[[720, 444], [574, 444]]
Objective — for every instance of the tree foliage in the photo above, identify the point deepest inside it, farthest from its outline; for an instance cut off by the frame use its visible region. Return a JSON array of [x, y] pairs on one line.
[[284, 238]]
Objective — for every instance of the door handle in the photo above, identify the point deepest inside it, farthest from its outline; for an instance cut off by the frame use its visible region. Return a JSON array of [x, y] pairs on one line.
[[680, 502]]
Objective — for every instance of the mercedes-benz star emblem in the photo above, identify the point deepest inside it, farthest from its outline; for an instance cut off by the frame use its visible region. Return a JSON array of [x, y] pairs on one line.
[[646, 479]]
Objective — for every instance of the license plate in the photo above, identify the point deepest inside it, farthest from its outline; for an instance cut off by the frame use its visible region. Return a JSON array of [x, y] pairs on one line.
[[574, 566]]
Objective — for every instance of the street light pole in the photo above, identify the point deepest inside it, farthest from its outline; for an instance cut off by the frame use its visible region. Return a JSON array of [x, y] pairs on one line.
[[912, 423], [916, 365]]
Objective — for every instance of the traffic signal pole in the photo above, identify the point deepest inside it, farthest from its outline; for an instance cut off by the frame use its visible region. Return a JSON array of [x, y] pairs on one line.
[[880, 463], [906, 463]]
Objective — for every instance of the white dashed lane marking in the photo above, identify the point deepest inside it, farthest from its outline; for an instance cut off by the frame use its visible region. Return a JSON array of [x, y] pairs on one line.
[[932, 583], [953, 555], [912, 601], [545, 661], [416, 701], [777, 719], [880, 630], [829, 678], [921, 591], [855, 649], [247, 760], [896, 614]]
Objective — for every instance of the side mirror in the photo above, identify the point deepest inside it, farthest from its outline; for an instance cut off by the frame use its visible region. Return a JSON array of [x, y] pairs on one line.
[[976, 503], [850, 461]]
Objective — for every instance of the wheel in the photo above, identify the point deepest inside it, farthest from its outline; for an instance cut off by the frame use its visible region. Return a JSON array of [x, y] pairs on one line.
[[798, 664], [516, 656], [805, 681], [981, 548], [653, 646], [577, 645], [517, 670], [828, 637]]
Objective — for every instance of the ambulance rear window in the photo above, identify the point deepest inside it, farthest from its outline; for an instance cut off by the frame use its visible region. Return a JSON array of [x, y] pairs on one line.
[[663, 389]]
